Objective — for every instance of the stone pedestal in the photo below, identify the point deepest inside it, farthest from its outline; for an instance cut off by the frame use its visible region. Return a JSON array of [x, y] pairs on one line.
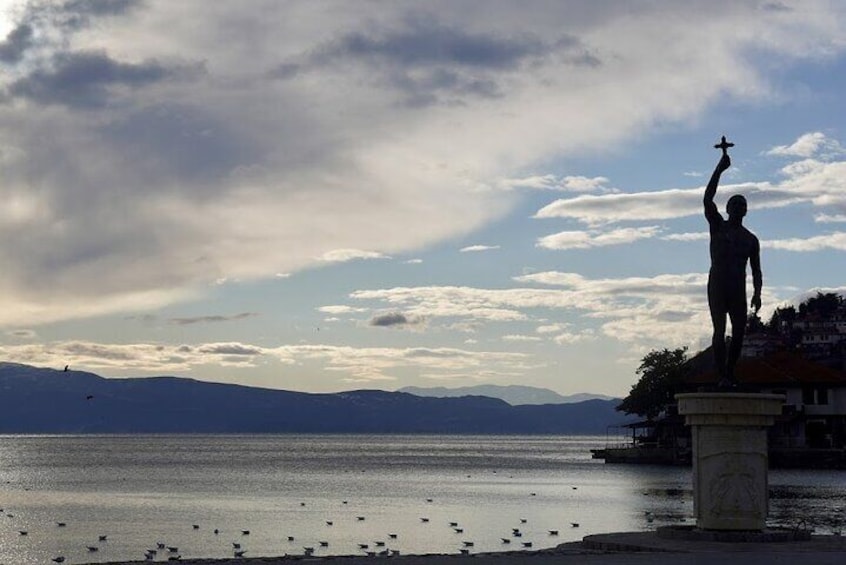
[[729, 432]]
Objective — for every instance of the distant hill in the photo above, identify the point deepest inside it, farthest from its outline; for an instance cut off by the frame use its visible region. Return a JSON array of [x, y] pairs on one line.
[[38, 400], [512, 394]]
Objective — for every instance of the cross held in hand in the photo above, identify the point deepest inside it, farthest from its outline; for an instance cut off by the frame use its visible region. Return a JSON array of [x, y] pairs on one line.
[[724, 145]]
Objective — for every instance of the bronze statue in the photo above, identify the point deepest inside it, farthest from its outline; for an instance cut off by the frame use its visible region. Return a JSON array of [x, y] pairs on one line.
[[732, 245]]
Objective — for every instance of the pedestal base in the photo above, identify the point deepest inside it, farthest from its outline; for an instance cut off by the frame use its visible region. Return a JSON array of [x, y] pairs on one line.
[[730, 487]]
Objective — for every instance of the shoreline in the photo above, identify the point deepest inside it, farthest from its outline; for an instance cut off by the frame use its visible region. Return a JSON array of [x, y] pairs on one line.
[[634, 548]]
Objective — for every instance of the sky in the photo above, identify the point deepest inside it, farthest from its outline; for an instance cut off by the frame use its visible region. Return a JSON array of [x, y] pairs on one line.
[[324, 196]]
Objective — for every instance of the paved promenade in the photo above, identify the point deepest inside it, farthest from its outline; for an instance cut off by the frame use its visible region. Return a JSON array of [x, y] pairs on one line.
[[626, 548]]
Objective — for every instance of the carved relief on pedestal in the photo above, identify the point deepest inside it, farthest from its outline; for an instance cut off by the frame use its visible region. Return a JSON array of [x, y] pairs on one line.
[[732, 489]]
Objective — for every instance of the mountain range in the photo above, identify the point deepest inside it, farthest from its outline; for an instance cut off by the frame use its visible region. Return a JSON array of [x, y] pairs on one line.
[[512, 394], [42, 400]]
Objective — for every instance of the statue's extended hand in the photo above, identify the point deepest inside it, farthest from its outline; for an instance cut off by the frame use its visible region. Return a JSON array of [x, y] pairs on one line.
[[725, 163], [756, 303]]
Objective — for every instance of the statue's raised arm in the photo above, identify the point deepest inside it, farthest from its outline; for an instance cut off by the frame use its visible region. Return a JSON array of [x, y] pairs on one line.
[[711, 212]]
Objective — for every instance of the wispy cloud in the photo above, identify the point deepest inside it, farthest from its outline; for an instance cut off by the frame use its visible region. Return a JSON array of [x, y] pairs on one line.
[[344, 255], [570, 183], [596, 238], [477, 248], [353, 364], [835, 241], [211, 319]]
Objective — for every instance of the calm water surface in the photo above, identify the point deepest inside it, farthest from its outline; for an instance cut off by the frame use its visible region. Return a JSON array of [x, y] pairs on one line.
[[140, 490]]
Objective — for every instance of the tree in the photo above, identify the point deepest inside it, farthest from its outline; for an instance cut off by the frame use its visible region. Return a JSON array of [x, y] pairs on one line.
[[782, 316], [661, 377], [823, 304]]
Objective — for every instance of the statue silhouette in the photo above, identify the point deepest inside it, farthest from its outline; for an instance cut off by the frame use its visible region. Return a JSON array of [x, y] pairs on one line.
[[732, 245]]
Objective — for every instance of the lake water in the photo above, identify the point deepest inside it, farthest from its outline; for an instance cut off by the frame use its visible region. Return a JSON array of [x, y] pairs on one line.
[[140, 490]]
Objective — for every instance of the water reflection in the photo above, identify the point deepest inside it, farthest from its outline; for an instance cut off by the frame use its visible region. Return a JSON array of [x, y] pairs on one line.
[[141, 490]]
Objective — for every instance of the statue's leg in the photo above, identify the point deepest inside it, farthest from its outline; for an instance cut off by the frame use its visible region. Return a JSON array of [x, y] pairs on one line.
[[737, 314], [716, 304]]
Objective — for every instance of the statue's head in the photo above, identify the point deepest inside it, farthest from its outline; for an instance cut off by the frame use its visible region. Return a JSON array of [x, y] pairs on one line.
[[736, 206]]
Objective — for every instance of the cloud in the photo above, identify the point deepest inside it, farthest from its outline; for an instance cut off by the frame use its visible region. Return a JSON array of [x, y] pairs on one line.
[[395, 319], [87, 79], [430, 62], [662, 310], [378, 132], [573, 183], [340, 309], [16, 43], [836, 241], [520, 337], [830, 218], [22, 334], [571, 338], [594, 238], [476, 248], [210, 319], [344, 255], [414, 261], [808, 181], [808, 145], [688, 236]]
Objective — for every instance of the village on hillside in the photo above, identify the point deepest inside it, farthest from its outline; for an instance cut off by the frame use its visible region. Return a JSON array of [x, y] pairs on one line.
[[799, 353]]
